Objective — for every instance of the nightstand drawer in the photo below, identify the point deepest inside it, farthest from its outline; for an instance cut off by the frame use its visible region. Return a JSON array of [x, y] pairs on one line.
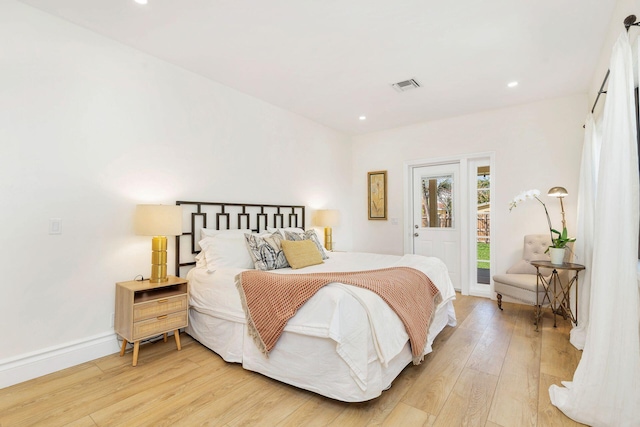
[[159, 325], [159, 307]]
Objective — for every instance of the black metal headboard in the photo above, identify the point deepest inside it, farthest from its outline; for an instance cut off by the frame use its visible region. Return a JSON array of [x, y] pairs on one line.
[[229, 216]]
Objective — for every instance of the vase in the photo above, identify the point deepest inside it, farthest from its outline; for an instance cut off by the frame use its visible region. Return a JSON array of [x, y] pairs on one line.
[[557, 255]]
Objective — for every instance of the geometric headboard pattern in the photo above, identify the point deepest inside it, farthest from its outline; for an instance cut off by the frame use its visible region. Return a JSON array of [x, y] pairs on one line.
[[229, 216]]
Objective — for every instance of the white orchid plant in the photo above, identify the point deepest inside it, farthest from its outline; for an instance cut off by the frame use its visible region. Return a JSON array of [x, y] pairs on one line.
[[561, 240]]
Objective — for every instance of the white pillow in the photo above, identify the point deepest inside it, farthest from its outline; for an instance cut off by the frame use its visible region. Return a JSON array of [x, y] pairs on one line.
[[211, 232], [282, 230], [201, 260], [226, 250]]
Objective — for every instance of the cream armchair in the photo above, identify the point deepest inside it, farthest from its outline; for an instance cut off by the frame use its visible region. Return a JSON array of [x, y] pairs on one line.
[[519, 282]]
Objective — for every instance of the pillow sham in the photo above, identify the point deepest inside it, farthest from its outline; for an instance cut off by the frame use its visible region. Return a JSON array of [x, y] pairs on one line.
[[301, 253], [307, 235], [225, 250], [212, 232], [266, 251], [282, 230], [201, 260]]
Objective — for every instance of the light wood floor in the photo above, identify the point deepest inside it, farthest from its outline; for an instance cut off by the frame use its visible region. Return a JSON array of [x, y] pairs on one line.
[[493, 369]]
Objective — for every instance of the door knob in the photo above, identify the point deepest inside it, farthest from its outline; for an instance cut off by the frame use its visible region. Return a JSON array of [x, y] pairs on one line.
[[415, 234], [416, 226]]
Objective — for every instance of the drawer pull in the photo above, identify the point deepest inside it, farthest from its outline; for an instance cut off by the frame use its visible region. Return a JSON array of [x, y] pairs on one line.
[[162, 301], [162, 317]]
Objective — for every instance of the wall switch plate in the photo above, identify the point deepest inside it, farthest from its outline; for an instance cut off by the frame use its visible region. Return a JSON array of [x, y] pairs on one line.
[[55, 226], [113, 320]]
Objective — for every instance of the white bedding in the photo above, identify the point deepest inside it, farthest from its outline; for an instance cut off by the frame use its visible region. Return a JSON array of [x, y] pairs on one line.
[[354, 324]]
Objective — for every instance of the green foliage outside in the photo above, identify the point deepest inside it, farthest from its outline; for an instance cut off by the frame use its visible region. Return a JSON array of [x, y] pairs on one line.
[[483, 253], [483, 198]]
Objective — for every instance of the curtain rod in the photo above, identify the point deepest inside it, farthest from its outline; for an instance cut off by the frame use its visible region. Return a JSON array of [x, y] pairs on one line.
[[628, 22]]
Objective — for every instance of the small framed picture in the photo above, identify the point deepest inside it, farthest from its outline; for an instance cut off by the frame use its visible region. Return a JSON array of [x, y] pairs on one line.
[[377, 192]]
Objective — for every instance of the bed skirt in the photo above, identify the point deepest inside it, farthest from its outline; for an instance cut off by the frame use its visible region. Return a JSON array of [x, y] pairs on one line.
[[317, 367]]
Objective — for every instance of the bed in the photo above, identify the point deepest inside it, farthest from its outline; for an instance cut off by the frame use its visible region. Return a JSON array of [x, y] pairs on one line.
[[344, 343]]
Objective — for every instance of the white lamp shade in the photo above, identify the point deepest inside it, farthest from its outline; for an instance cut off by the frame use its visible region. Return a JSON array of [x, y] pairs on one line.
[[158, 220], [327, 218]]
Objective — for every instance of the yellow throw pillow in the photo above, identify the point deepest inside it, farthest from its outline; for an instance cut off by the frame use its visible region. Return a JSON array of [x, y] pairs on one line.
[[302, 253]]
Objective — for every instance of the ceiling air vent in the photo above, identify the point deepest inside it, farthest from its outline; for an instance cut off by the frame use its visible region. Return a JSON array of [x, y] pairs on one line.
[[406, 85]]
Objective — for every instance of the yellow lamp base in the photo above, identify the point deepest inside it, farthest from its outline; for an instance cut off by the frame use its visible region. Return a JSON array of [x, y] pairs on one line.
[[158, 260], [328, 238]]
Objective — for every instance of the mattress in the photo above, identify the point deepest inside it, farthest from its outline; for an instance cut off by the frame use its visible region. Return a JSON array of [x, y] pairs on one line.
[[344, 343]]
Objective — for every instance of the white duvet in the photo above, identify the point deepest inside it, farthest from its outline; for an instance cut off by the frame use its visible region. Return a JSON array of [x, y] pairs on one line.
[[332, 311]]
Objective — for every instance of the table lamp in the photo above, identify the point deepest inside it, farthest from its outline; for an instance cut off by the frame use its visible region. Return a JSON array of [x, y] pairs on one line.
[[559, 192], [158, 221], [327, 218]]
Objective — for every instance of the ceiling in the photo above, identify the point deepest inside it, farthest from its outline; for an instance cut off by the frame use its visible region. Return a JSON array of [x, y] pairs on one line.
[[333, 61]]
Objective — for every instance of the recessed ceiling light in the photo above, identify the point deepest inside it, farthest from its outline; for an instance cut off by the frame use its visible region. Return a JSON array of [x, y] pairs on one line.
[[363, 117], [141, 1], [512, 84]]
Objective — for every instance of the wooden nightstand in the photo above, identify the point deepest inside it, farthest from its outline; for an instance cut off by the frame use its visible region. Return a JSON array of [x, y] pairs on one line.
[[144, 310]]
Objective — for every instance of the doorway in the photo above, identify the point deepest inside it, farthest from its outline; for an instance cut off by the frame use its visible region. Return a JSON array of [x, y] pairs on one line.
[[452, 230], [436, 215]]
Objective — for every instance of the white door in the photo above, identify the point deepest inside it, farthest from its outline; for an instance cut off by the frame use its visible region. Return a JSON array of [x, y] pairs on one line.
[[436, 215]]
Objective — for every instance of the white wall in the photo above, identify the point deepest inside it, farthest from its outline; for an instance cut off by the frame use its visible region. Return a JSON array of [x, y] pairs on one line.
[[89, 128], [536, 146]]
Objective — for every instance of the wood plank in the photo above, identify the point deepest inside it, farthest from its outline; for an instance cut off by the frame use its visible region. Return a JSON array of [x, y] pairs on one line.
[[489, 354], [405, 415], [37, 391], [163, 394], [470, 400], [558, 357], [479, 318], [83, 398], [431, 389], [317, 411], [203, 356], [464, 305], [516, 398], [213, 404], [281, 401], [82, 422]]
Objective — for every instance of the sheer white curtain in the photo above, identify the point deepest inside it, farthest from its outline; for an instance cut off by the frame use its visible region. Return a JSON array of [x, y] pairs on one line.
[[583, 246], [605, 390]]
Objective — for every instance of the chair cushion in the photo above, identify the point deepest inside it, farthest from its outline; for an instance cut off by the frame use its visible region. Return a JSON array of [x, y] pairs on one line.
[[522, 267], [522, 281], [518, 286]]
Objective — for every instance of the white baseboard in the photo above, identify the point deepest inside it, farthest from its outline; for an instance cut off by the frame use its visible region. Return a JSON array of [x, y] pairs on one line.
[[485, 291], [482, 293], [35, 364]]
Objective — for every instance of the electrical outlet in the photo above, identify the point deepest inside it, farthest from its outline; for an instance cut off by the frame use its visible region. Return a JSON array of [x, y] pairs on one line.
[[55, 226], [113, 319]]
